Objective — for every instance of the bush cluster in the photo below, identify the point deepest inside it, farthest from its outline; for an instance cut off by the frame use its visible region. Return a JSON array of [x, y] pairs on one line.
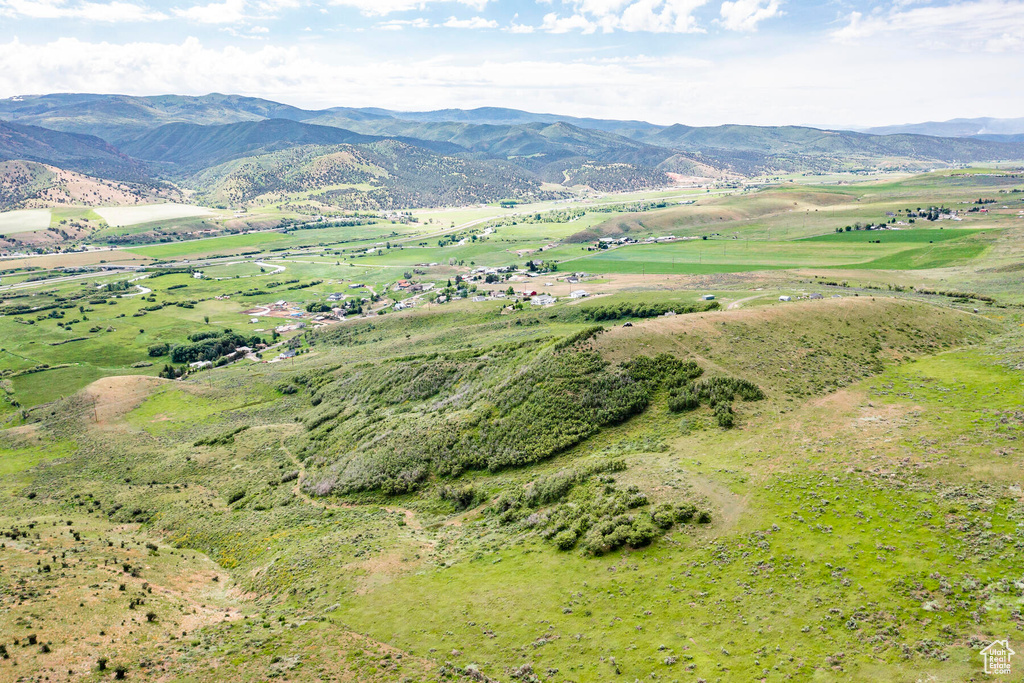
[[644, 310]]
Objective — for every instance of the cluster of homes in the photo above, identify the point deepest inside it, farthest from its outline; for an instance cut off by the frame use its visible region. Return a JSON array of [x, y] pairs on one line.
[[609, 241], [409, 286]]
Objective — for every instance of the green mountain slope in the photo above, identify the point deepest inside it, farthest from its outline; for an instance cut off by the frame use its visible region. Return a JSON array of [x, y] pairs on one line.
[[83, 153], [387, 175], [811, 141]]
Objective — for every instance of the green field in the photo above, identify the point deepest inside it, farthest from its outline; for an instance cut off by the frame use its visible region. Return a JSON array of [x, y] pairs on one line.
[[638, 484]]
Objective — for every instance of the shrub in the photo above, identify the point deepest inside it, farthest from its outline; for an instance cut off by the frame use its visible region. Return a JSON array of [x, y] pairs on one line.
[[157, 350], [685, 513], [566, 540], [642, 531], [462, 496]]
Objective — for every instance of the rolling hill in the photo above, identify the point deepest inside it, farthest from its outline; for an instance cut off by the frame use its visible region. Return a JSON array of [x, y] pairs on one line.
[[955, 128], [232, 148], [83, 153], [382, 175]]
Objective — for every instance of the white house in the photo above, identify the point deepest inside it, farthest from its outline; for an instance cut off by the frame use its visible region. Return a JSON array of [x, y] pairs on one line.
[[708, 297], [579, 294], [785, 298], [542, 300]]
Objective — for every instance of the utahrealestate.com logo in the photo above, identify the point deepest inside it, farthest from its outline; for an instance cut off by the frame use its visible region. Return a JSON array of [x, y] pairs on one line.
[[997, 657]]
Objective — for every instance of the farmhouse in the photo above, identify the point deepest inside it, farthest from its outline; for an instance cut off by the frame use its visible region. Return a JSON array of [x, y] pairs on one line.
[[542, 300], [579, 294]]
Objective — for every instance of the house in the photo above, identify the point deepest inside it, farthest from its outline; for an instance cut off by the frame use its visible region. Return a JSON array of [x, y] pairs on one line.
[[197, 276], [708, 297], [817, 296], [479, 298], [785, 298], [200, 364], [542, 300], [290, 353], [579, 294], [356, 286], [400, 306], [253, 321], [336, 296], [997, 657]]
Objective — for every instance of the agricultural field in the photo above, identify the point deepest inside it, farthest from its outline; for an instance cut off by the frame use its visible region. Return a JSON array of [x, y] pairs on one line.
[[26, 220], [120, 216], [768, 449]]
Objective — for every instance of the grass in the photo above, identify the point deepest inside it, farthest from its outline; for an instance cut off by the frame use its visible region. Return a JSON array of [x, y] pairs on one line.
[[864, 515], [767, 583]]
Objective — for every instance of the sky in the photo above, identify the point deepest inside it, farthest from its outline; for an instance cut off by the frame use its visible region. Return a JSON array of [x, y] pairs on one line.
[[838, 63]]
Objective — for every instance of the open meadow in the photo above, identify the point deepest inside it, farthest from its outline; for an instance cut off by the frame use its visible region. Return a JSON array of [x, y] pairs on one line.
[[746, 439]]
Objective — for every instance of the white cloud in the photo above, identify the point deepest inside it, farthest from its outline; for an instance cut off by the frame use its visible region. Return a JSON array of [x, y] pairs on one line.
[[556, 24], [227, 12], [475, 22], [991, 25], [382, 7], [745, 15], [814, 82], [399, 24], [654, 16], [113, 12]]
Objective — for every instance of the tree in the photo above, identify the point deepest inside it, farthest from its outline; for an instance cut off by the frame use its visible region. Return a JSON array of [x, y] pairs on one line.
[[206, 319]]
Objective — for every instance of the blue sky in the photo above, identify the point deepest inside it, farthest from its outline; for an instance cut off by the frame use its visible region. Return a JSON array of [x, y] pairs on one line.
[[700, 62]]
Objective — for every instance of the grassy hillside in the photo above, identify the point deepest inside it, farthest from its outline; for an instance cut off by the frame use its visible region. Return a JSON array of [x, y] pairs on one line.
[[381, 176], [221, 469], [792, 455], [74, 152]]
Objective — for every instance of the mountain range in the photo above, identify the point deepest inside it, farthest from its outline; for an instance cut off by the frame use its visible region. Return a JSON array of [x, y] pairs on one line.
[[235, 149]]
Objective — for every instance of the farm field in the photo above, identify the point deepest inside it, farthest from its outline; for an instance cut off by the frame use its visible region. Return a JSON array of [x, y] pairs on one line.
[[26, 220], [770, 451], [120, 216]]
